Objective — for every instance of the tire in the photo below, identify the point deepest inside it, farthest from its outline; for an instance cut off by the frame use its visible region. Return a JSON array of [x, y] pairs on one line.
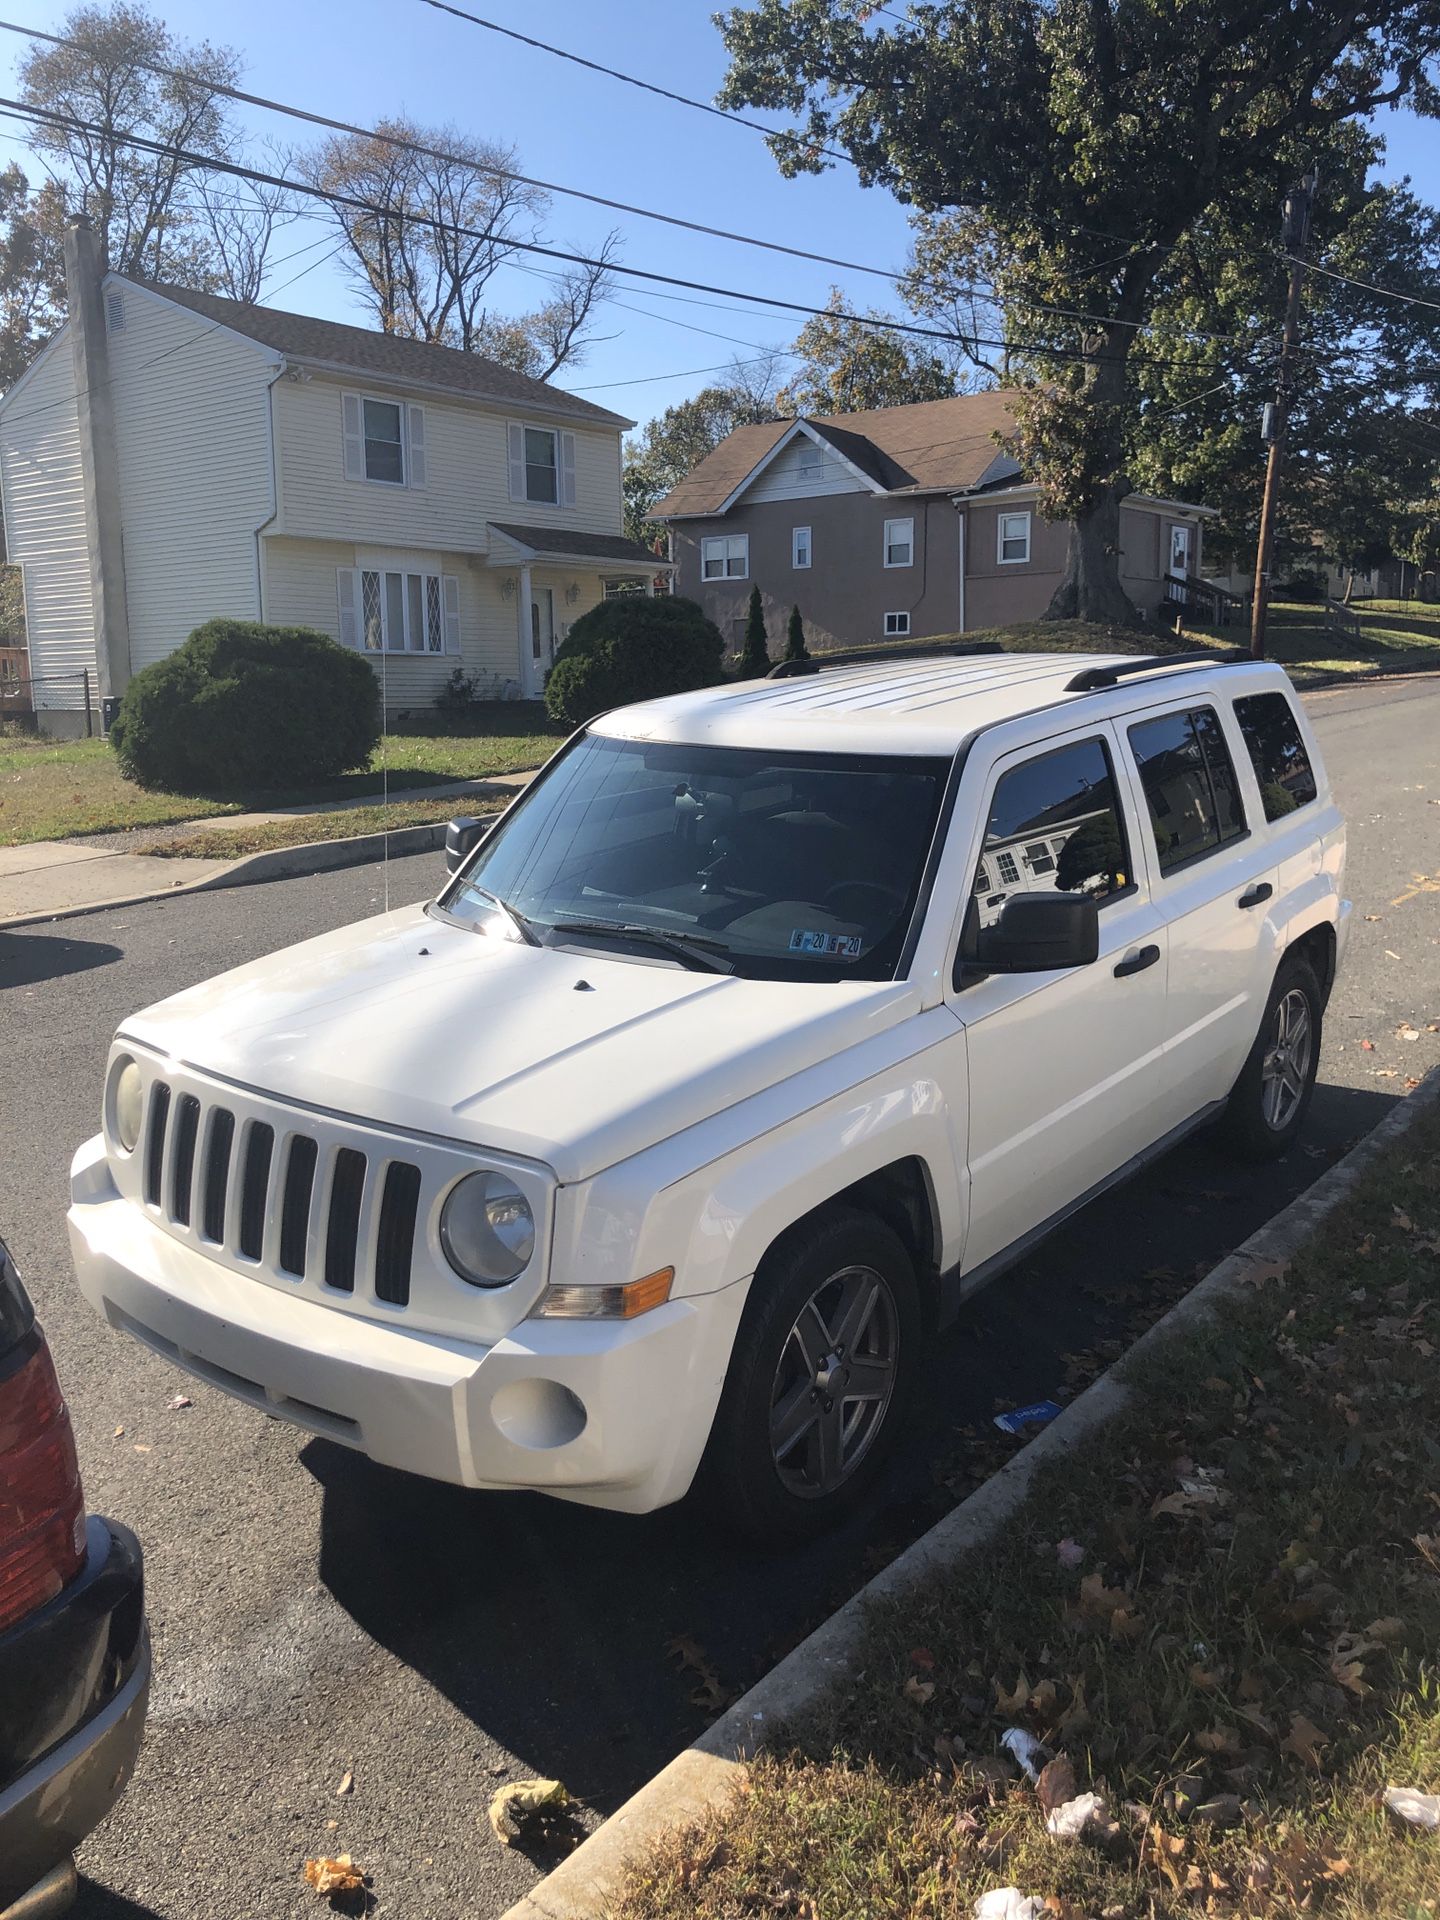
[[1263, 1120], [781, 1486]]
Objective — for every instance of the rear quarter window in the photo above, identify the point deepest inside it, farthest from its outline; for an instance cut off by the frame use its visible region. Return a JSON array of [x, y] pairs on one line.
[[1189, 784], [1277, 753]]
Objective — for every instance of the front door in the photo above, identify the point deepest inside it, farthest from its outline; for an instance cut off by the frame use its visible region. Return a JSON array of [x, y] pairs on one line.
[[1065, 1082], [542, 636], [1180, 550]]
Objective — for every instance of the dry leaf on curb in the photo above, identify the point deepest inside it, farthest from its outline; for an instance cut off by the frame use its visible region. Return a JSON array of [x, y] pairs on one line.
[[520, 1800], [340, 1875], [1265, 1271], [918, 1690], [1056, 1784]]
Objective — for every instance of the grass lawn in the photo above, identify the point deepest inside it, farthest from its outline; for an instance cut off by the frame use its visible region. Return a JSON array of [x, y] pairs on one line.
[[1223, 1616], [1394, 635], [52, 790]]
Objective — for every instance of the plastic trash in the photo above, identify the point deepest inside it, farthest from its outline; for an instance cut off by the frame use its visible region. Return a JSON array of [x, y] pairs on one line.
[[1415, 1809], [1082, 1818], [1008, 1903], [1038, 1414], [1026, 1749]]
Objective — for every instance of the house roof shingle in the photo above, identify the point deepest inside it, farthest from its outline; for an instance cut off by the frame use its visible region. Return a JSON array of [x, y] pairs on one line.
[[934, 444], [590, 546], [384, 356]]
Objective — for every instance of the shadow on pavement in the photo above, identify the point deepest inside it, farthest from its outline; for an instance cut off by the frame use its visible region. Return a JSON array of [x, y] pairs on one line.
[[28, 958], [553, 1626], [94, 1902]]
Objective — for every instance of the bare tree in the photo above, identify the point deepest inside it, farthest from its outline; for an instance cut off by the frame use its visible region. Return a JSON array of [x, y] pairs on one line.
[[124, 74], [239, 219], [441, 212]]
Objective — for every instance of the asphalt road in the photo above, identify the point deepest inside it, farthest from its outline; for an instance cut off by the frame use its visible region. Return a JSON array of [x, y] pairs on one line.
[[314, 1615]]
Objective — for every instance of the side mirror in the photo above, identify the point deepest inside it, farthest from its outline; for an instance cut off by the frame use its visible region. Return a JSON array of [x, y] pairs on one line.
[[1041, 933], [462, 836]]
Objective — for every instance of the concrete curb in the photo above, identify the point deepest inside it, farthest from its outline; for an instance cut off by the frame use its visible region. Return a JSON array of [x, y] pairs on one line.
[[282, 863], [700, 1779]]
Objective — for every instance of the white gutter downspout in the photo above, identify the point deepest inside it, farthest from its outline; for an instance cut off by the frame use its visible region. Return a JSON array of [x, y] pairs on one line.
[[960, 519], [274, 512]]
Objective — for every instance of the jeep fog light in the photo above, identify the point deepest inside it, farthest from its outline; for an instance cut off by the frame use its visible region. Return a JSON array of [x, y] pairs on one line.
[[487, 1229], [127, 1104], [606, 1303]]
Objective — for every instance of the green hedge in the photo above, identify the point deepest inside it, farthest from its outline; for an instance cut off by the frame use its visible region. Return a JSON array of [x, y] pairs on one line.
[[631, 649], [242, 707]]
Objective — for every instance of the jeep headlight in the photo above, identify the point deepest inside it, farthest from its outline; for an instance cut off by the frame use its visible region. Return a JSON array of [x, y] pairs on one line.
[[487, 1229], [127, 1103]]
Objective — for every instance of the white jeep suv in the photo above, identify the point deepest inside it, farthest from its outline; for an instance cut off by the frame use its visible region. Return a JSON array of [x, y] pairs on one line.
[[768, 1024]]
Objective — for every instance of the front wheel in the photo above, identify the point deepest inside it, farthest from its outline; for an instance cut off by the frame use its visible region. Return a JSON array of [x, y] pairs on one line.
[[1272, 1096], [820, 1378]]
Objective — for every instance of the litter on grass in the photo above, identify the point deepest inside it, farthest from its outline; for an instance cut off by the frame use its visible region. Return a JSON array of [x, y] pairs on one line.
[[1026, 1749], [1038, 1414], [1415, 1809], [1008, 1903]]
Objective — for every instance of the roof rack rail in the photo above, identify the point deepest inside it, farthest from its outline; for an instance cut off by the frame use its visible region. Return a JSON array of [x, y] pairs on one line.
[[866, 656], [1092, 679]]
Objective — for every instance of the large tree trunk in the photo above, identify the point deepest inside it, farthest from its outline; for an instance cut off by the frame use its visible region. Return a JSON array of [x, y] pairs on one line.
[[1090, 586]]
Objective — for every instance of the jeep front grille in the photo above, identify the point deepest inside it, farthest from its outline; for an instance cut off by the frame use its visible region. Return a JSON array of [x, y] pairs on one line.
[[294, 1204]]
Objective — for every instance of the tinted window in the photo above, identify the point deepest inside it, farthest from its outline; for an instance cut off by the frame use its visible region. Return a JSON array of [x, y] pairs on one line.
[[1054, 827], [1189, 784], [1277, 753]]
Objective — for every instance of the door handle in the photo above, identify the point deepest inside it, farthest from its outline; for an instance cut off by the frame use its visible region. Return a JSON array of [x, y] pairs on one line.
[[1136, 962], [1253, 896]]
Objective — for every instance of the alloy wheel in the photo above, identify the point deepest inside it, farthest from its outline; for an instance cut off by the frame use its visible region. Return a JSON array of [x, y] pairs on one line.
[[834, 1382], [1286, 1069]]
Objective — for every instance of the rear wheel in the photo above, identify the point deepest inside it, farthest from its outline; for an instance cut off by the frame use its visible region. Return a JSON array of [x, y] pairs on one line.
[[1272, 1096], [819, 1380]]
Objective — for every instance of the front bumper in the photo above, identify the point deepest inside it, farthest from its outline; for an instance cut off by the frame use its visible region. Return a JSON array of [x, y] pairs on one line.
[[611, 1414], [74, 1682]]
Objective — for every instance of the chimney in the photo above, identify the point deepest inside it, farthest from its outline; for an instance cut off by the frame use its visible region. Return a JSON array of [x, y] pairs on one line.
[[95, 409]]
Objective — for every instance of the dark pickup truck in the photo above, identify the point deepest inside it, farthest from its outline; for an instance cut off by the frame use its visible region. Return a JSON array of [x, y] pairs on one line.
[[74, 1652]]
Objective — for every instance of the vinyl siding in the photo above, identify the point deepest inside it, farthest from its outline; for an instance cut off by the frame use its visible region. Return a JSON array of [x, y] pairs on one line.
[[44, 501], [192, 433], [784, 480], [467, 474]]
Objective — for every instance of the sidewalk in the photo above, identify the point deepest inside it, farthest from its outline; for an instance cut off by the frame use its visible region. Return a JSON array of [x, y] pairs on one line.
[[60, 877]]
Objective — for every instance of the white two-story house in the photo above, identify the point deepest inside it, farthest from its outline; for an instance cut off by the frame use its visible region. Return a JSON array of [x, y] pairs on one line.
[[427, 507]]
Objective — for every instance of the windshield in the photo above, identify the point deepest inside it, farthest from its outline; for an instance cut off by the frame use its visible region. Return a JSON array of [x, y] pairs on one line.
[[752, 861]]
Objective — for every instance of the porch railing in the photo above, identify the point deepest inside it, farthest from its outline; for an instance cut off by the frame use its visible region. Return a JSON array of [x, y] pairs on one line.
[[1217, 606]]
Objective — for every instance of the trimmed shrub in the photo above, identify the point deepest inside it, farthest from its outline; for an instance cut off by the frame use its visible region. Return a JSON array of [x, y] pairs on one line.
[[795, 648], [243, 707], [755, 654], [631, 649]]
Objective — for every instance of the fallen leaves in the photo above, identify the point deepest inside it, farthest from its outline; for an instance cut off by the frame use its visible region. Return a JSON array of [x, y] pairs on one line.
[[338, 1879], [1305, 1741], [519, 1802], [917, 1690], [710, 1694]]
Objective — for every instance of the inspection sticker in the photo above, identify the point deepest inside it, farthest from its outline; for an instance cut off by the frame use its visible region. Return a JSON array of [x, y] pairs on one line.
[[846, 944]]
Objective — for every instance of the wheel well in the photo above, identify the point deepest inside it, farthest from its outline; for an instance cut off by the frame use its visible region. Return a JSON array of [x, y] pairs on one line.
[[1318, 947], [900, 1195]]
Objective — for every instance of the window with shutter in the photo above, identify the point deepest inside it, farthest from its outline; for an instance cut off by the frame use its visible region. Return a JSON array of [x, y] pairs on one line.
[[415, 422], [354, 437], [349, 585], [515, 435], [451, 587], [567, 469]]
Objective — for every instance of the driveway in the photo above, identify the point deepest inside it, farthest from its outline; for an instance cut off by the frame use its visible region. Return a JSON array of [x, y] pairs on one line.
[[316, 1616]]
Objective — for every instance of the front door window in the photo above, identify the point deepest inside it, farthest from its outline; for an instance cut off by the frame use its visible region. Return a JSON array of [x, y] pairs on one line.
[[1180, 551], [542, 633]]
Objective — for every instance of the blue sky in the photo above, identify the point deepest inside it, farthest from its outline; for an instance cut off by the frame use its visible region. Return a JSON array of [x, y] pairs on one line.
[[366, 58]]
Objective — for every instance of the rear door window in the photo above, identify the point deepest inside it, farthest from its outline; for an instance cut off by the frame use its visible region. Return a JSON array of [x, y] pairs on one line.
[[1054, 827], [1277, 753], [1190, 785]]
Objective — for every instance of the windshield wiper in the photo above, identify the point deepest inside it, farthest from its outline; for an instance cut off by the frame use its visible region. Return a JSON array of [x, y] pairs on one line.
[[517, 919], [705, 956]]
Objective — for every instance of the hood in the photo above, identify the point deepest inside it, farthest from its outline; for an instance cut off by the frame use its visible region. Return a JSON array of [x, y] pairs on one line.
[[576, 1059]]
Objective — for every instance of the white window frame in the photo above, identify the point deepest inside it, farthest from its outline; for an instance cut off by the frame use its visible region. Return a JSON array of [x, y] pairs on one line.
[[439, 596], [897, 625], [907, 541], [519, 466], [800, 548], [725, 541], [1003, 559], [412, 439]]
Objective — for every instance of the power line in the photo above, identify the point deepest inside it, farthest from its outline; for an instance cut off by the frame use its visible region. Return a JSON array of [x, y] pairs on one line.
[[984, 291], [210, 162], [1371, 286]]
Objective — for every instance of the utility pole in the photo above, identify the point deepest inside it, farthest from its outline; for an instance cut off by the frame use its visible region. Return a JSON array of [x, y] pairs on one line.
[[1295, 239]]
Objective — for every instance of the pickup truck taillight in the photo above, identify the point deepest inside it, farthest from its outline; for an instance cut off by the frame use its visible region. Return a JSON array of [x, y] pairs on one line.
[[42, 1507]]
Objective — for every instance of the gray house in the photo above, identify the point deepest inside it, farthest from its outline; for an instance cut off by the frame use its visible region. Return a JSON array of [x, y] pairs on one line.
[[904, 521]]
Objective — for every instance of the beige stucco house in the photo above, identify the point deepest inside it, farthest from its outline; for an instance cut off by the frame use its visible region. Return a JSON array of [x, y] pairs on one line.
[[904, 521], [171, 456]]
